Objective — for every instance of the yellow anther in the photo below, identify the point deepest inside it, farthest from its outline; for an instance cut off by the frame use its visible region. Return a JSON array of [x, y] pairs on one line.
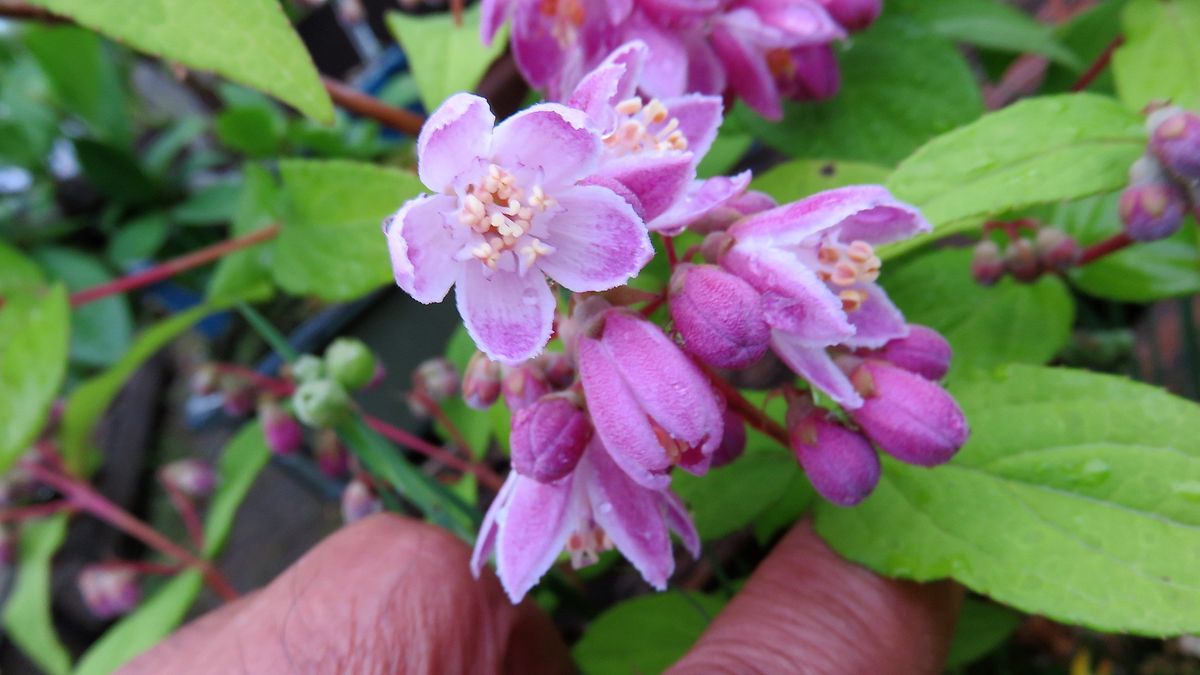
[[630, 106]]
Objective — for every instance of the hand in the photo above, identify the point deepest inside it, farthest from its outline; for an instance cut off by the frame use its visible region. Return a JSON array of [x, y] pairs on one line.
[[392, 595]]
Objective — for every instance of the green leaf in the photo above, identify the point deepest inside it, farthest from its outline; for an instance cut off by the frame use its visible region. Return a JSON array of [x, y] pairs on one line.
[[254, 130], [28, 620], [17, 272], [800, 178], [795, 500], [1160, 59], [248, 41], [982, 627], [88, 401], [115, 172], [1010, 322], [1076, 498], [1037, 151], [898, 91], [646, 634], [210, 205], [246, 274], [988, 24], [102, 330], [729, 498], [138, 240], [444, 58], [1087, 34], [331, 246], [85, 78], [171, 141], [34, 330], [241, 463]]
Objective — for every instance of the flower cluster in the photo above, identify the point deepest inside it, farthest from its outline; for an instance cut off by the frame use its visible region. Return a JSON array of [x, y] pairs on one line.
[[759, 50], [569, 194], [1164, 183]]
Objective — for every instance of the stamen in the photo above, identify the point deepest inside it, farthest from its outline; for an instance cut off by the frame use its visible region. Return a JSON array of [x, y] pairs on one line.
[[630, 106]]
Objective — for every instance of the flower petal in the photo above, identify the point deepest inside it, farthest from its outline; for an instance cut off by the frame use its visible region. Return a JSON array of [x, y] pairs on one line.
[[814, 365], [493, 14], [701, 197], [452, 140], [706, 73], [422, 244], [548, 138], [599, 241], [657, 181], [611, 82], [620, 422], [746, 64], [877, 321], [509, 316], [535, 524], [699, 118], [884, 224], [794, 223], [802, 22], [485, 543], [794, 299], [680, 521], [665, 71], [629, 515]]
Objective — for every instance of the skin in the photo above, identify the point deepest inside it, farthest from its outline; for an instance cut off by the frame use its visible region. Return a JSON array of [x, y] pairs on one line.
[[393, 595]]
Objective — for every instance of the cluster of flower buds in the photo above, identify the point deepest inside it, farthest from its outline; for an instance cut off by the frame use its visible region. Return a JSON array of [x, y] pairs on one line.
[[434, 380], [194, 478], [1165, 183], [109, 589], [1050, 250], [760, 51]]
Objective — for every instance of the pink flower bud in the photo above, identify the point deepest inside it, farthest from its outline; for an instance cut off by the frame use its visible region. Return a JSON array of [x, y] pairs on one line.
[[358, 502], [437, 378], [558, 368], [924, 352], [1021, 261], [841, 465], [719, 316], [549, 436], [810, 73], [987, 264], [283, 433], [908, 416], [733, 442], [238, 395], [1152, 211], [332, 457], [522, 385], [854, 14], [109, 589], [720, 218], [193, 477], [481, 382], [1056, 249], [1175, 141], [381, 374]]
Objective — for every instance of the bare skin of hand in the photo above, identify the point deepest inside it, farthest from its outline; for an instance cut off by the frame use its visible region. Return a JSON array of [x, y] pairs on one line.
[[392, 595]]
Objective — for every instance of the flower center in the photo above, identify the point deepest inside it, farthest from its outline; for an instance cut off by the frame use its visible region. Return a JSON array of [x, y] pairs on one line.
[[645, 128], [847, 265], [781, 65], [566, 17], [586, 544], [494, 210]]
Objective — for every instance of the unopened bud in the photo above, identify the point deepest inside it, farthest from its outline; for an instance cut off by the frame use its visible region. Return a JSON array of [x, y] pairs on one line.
[[307, 368], [909, 417], [522, 385], [350, 362], [720, 218], [436, 378], [1152, 211], [481, 382], [321, 404], [1175, 141], [332, 457], [193, 477], [359, 501], [206, 380], [283, 433], [841, 465], [238, 395], [378, 377], [549, 436], [109, 589], [813, 73], [733, 441], [715, 245], [1056, 249], [719, 315], [987, 265], [923, 351], [558, 369], [1021, 261], [854, 14]]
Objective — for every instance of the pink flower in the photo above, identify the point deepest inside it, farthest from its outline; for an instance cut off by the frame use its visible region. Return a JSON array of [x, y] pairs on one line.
[[510, 208], [109, 589], [595, 508]]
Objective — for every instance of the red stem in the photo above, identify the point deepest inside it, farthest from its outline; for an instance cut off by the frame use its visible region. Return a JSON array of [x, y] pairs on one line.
[[1105, 247], [85, 498], [654, 304], [672, 258], [276, 387], [147, 567], [172, 267], [428, 403], [187, 512], [368, 106], [747, 410], [1098, 65], [417, 444], [36, 511]]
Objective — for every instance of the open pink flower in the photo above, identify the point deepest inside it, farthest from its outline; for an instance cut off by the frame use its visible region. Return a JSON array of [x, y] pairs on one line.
[[595, 508], [511, 207], [814, 263]]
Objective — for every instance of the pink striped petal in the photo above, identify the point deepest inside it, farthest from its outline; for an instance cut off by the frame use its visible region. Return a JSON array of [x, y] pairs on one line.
[[658, 182], [701, 198], [611, 82], [599, 241], [422, 244], [452, 140], [797, 222], [877, 321], [802, 22], [665, 71], [814, 365], [746, 64], [493, 14], [680, 522], [884, 224], [535, 524], [706, 73], [549, 139], [509, 316], [699, 118], [794, 299], [485, 543]]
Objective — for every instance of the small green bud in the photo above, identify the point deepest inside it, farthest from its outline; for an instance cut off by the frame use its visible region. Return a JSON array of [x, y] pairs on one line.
[[350, 362], [308, 368], [321, 403]]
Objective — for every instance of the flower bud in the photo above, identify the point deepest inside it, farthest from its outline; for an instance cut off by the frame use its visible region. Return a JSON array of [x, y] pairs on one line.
[[558, 369], [733, 441], [1021, 261], [854, 14], [908, 416], [381, 374], [987, 265], [358, 502], [523, 385], [720, 218], [841, 465], [193, 477], [481, 382], [1151, 211], [283, 434], [350, 362], [715, 245], [332, 457], [1175, 141], [549, 436], [1056, 249], [812, 73], [321, 404], [719, 316], [307, 368], [237, 395], [109, 589], [923, 351], [206, 380], [437, 378]]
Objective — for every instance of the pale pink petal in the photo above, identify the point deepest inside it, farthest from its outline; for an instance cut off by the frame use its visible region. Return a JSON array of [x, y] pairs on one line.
[[537, 52], [701, 197], [508, 316], [599, 241], [877, 321], [549, 139], [453, 139], [618, 10], [699, 118], [658, 181], [803, 22], [794, 299], [814, 365], [630, 516], [620, 422], [535, 524], [665, 70], [796, 222], [706, 73], [493, 14], [680, 522], [422, 240], [485, 543], [611, 82], [884, 224], [746, 66]]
